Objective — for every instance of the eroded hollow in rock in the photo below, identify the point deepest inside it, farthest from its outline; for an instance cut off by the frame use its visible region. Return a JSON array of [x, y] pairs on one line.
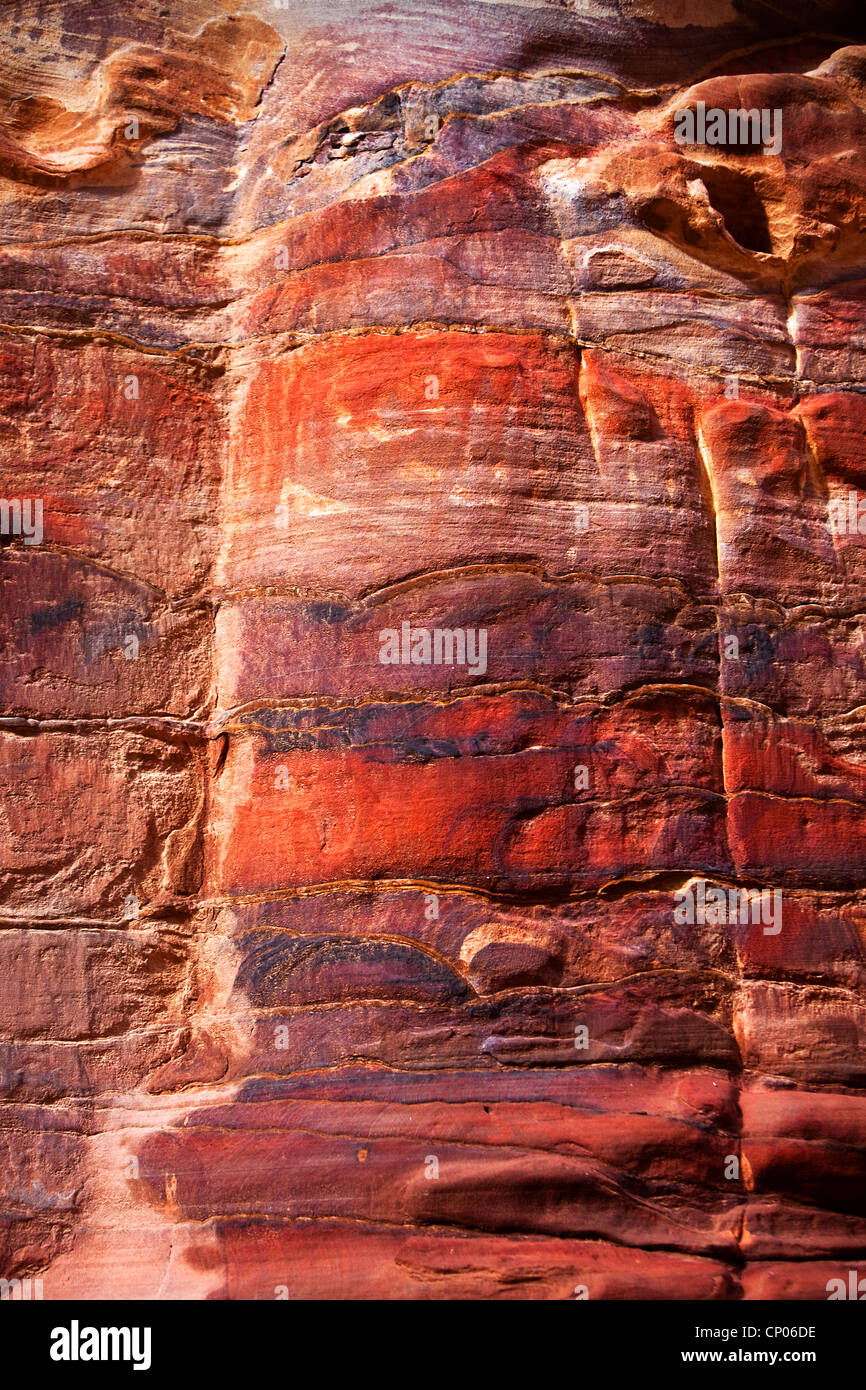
[[736, 200]]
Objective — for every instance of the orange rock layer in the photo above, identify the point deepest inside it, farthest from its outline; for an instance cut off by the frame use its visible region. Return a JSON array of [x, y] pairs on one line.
[[333, 340]]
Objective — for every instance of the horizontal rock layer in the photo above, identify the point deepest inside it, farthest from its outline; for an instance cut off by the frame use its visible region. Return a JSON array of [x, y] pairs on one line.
[[431, 559]]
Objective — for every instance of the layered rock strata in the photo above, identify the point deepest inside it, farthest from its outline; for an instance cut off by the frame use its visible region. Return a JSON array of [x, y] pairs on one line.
[[333, 338]]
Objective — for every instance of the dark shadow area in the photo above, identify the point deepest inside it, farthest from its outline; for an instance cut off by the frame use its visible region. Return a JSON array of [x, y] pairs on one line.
[[734, 198]]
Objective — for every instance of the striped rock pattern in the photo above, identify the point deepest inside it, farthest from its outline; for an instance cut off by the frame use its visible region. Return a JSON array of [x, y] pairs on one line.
[[335, 333]]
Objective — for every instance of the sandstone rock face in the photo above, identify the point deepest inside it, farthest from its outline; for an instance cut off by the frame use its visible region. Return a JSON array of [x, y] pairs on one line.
[[434, 558]]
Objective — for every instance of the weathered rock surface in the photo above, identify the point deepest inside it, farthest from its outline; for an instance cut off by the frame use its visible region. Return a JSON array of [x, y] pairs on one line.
[[326, 329]]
